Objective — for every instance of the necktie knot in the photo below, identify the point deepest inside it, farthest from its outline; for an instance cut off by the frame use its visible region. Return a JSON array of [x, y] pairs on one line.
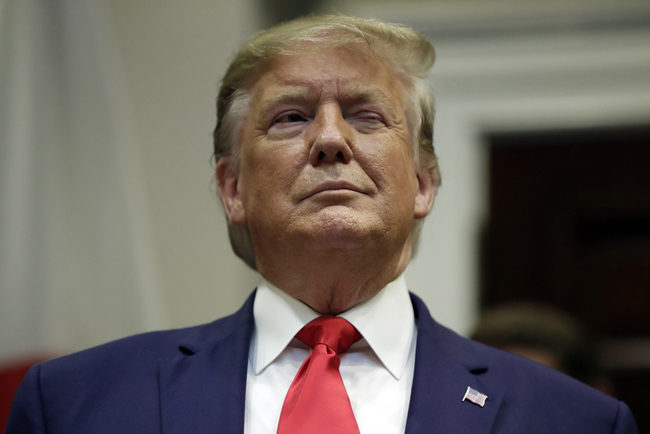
[[317, 402], [334, 332]]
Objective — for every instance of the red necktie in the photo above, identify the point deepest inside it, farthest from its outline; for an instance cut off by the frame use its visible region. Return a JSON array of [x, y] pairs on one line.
[[317, 402]]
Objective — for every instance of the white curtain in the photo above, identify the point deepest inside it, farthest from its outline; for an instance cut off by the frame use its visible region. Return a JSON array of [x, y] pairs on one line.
[[77, 265]]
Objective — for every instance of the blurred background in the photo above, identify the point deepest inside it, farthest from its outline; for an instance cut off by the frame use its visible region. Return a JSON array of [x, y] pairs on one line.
[[110, 226]]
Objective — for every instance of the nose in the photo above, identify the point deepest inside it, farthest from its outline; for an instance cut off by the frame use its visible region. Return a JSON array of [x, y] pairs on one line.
[[331, 139]]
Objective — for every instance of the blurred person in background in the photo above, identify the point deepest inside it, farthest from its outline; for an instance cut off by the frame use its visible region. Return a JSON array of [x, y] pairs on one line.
[[546, 335]]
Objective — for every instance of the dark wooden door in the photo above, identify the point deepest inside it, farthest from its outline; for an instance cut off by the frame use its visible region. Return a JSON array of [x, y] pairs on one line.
[[569, 225]]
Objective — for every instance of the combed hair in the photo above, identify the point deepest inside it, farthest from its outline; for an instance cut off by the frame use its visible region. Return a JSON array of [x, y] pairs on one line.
[[408, 52]]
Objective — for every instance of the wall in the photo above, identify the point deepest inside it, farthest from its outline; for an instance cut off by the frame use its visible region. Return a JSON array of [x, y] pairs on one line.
[[174, 53]]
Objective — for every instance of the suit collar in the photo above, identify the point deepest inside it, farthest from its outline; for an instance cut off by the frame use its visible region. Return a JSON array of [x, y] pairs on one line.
[[206, 335], [445, 365], [203, 389]]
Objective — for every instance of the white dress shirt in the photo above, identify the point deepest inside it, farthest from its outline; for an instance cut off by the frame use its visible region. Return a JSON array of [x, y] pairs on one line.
[[377, 371]]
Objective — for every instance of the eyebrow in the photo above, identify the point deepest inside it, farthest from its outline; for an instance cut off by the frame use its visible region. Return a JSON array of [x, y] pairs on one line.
[[294, 94], [351, 94]]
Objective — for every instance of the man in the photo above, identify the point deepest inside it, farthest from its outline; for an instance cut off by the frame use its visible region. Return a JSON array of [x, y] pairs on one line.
[[325, 167]]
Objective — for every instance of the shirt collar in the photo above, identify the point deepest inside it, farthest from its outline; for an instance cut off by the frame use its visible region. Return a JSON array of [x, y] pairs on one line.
[[386, 322]]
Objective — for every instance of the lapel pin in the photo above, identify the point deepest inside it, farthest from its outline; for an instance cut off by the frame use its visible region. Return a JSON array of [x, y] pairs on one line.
[[475, 396]]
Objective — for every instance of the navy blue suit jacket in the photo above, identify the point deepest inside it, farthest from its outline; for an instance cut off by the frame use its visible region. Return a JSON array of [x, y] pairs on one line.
[[193, 381]]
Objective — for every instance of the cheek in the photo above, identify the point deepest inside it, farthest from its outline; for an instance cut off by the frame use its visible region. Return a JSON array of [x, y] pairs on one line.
[[394, 166], [270, 170]]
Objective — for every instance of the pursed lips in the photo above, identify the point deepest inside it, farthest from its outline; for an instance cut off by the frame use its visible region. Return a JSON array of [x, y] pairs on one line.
[[333, 186]]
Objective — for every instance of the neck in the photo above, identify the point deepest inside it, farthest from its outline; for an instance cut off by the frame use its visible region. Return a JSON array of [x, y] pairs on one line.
[[330, 281]]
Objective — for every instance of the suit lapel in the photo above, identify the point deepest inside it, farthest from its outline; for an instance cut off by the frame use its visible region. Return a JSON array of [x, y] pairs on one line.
[[204, 390], [444, 367]]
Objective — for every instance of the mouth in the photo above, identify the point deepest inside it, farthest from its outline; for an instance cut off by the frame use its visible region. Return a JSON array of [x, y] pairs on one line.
[[334, 187]]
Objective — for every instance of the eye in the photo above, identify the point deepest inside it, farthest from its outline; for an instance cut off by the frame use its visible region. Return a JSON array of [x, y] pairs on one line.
[[369, 116], [367, 121], [289, 118]]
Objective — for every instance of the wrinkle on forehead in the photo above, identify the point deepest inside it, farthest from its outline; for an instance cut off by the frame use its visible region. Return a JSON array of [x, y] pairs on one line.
[[358, 93]]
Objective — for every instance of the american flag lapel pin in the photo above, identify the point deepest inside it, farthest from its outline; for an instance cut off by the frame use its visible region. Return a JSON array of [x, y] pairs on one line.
[[475, 396]]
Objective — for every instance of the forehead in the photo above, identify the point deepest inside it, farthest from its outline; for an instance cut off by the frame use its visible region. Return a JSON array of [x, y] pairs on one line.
[[344, 73]]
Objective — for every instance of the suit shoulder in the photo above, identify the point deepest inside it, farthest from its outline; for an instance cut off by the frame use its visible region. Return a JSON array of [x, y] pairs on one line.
[[143, 351], [118, 383], [532, 397], [537, 391], [521, 373], [155, 344]]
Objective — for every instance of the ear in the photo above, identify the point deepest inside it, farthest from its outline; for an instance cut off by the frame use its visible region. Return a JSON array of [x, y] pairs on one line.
[[227, 175], [425, 194]]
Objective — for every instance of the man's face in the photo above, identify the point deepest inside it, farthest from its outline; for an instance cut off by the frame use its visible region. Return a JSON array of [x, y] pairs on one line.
[[325, 156]]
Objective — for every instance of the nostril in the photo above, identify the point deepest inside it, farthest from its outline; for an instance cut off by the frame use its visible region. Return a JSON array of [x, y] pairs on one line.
[[339, 155], [321, 155]]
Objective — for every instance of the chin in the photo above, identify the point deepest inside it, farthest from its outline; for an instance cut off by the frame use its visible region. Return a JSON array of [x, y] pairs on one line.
[[343, 231]]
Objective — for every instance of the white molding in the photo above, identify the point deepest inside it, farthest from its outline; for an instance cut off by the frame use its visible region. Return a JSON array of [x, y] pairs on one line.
[[456, 19]]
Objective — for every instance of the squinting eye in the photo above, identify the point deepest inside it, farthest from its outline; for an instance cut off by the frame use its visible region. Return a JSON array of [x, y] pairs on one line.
[[367, 116]]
